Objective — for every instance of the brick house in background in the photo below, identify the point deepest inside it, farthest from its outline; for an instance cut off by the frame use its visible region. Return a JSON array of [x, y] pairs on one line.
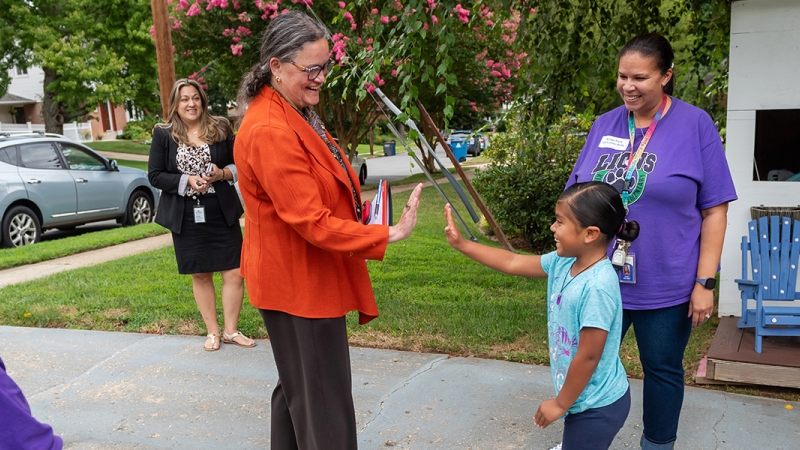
[[22, 105]]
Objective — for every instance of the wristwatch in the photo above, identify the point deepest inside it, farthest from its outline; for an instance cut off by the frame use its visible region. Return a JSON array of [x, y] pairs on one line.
[[708, 283]]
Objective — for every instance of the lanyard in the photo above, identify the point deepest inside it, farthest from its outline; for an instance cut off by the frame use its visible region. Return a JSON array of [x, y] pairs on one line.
[[633, 159]]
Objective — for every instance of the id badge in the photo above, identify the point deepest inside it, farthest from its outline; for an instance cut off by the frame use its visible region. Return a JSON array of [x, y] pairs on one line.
[[628, 272], [199, 214]]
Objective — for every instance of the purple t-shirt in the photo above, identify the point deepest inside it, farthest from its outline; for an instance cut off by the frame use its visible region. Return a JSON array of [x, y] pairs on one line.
[[683, 170], [18, 428]]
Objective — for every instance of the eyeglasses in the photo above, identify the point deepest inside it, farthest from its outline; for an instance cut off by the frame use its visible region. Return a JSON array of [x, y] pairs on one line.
[[314, 71]]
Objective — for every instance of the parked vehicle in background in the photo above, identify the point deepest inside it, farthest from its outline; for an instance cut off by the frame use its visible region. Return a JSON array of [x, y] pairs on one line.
[[474, 144], [51, 181], [359, 164]]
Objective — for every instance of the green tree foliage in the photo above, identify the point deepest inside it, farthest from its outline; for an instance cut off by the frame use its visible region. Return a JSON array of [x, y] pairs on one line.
[[89, 54], [577, 42], [437, 52], [575, 63]]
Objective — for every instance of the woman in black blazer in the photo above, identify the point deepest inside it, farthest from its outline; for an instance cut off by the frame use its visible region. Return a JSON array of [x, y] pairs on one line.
[[191, 161]]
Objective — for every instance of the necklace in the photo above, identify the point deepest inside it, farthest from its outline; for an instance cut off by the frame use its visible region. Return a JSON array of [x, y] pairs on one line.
[[564, 284]]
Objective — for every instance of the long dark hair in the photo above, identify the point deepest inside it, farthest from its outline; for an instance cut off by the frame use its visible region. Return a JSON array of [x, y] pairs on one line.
[[285, 36], [598, 204], [653, 45]]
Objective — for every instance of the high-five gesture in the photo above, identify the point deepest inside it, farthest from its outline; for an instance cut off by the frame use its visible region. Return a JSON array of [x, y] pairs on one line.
[[408, 220]]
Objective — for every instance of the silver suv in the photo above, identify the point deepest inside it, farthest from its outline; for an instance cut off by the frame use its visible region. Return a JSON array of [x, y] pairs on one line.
[[49, 181]]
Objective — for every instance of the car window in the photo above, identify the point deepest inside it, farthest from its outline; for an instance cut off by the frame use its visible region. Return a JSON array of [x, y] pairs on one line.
[[79, 159], [8, 155], [40, 155]]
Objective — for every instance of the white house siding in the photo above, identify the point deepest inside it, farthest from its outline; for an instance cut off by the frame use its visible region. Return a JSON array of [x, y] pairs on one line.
[[29, 86], [764, 68]]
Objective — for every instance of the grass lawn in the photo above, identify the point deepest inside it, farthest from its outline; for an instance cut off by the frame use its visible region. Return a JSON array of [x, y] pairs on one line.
[[45, 251], [121, 146], [431, 299], [135, 164]]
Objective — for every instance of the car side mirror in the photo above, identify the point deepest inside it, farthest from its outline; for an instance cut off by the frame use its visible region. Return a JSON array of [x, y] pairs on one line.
[[113, 165]]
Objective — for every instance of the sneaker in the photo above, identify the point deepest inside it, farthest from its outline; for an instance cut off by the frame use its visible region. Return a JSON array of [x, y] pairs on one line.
[[557, 447]]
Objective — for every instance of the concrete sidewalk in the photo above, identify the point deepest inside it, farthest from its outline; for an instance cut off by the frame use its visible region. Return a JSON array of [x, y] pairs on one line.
[[109, 390]]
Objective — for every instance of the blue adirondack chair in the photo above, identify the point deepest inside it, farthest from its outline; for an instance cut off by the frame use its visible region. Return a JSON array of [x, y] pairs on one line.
[[771, 255]]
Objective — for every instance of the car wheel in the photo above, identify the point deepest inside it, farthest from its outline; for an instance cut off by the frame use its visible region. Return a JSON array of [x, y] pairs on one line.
[[139, 209], [362, 175], [21, 227]]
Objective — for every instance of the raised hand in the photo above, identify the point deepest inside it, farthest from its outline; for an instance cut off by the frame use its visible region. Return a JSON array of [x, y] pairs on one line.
[[408, 219], [451, 231]]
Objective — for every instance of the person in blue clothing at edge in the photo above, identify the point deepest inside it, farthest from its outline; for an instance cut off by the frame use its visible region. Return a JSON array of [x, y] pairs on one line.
[[584, 312], [18, 428], [666, 159]]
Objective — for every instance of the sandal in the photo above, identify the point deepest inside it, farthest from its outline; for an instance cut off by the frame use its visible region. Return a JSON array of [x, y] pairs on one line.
[[215, 343], [229, 339]]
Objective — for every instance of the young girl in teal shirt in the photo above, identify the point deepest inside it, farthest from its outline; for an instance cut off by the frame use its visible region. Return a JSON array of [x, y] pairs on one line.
[[584, 311]]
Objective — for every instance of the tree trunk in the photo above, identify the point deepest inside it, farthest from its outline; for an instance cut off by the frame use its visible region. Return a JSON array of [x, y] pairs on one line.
[[51, 110]]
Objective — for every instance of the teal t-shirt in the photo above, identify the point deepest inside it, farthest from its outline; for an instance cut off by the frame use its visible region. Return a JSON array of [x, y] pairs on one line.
[[591, 299]]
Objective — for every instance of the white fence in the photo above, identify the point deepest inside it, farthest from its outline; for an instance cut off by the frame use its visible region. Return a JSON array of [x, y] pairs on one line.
[[81, 132]]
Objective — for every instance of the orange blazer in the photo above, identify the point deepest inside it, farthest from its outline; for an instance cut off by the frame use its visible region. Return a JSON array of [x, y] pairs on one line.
[[304, 250]]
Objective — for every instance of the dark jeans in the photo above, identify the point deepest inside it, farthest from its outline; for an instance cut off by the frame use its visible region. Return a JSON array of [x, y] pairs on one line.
[[594, 429], [662, 335], [312, 404]]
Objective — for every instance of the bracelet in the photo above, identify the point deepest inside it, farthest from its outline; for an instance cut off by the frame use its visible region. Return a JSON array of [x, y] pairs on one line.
[[223, 174]]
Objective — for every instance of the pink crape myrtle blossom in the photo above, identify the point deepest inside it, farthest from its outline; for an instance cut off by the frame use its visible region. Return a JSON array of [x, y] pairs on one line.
[[244, 17], [435, 20], [193, 10], [432, 4], [192, 76], [339, 45], [236, 49], [384, 19], [374, 11], [153, 31], [342, 5], [369, 87], [463, 14], [182, 5]]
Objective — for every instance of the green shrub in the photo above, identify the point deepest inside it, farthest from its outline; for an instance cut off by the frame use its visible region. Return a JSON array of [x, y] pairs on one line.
[[140, 130], [525, 176]]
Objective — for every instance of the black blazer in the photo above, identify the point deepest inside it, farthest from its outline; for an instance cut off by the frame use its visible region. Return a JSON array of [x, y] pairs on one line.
[[162, 170]]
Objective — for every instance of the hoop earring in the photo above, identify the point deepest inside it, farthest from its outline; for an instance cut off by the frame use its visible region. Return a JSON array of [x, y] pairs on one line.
[[278, 79]]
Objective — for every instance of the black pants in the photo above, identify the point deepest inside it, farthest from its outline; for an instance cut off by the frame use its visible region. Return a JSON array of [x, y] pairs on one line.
[[312, 404]]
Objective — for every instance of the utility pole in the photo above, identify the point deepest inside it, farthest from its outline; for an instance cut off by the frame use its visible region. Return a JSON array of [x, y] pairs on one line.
[[163, 38]]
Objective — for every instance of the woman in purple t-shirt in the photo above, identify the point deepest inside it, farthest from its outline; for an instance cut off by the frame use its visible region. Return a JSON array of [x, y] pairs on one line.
[[678, 188]]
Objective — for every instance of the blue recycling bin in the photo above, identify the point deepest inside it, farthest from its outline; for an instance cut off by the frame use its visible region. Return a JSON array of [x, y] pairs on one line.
[[459, 150], [389, 148]]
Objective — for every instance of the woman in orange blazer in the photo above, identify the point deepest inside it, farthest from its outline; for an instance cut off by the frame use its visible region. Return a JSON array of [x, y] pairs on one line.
[[305, 245]]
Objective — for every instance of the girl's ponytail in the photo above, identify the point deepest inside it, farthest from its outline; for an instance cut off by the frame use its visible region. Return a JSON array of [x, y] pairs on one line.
[[628, 231]]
